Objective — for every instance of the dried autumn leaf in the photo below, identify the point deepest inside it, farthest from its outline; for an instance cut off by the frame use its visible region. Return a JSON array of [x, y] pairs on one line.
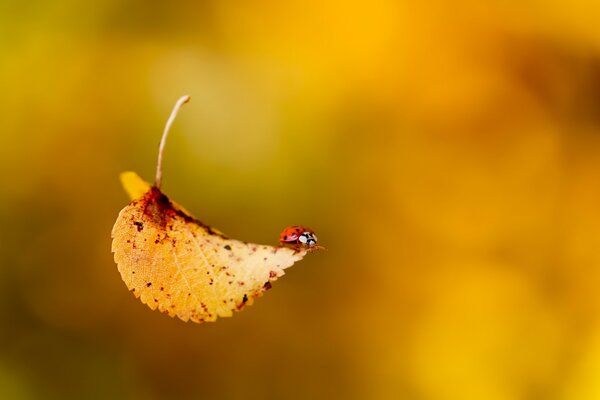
[[177, 264]]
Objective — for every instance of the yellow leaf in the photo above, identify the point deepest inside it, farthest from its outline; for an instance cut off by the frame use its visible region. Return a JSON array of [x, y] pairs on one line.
[[178, 265], [175, 263]]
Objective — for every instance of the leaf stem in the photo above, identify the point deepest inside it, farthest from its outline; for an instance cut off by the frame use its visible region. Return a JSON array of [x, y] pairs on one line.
[[161, 147]]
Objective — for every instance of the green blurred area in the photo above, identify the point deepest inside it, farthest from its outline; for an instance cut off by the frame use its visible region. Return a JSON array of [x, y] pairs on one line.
[[448, 156]]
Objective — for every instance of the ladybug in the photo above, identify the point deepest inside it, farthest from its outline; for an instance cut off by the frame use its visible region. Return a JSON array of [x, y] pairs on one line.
[[299, 236]]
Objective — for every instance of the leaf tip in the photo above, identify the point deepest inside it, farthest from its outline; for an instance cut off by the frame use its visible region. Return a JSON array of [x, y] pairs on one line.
[[135, 186]]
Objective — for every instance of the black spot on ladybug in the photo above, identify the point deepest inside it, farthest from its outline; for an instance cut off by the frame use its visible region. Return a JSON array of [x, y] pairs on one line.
[[285, 237], [140, 225], [227, 247]]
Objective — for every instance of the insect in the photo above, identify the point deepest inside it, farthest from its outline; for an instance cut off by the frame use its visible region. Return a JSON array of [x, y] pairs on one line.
[[299, 237]]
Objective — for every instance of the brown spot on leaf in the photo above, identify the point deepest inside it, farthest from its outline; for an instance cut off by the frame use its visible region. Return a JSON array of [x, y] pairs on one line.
[[161, 211], [227, 247], [140, 225]]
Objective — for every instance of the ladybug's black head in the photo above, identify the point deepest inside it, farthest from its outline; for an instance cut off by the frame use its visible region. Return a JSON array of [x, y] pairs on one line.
[[308, 238]]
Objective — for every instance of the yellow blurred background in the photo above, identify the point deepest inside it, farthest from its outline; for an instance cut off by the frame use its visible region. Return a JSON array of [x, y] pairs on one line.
[[447, 154]]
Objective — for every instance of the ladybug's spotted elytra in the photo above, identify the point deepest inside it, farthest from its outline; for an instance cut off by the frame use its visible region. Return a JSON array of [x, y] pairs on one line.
[[299, 236]]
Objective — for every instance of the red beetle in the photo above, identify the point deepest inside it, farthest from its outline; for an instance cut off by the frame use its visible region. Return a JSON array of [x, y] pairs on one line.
[[299, 236]]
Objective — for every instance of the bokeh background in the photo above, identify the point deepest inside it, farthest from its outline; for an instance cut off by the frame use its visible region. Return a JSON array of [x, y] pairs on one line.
[[446, 153]]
